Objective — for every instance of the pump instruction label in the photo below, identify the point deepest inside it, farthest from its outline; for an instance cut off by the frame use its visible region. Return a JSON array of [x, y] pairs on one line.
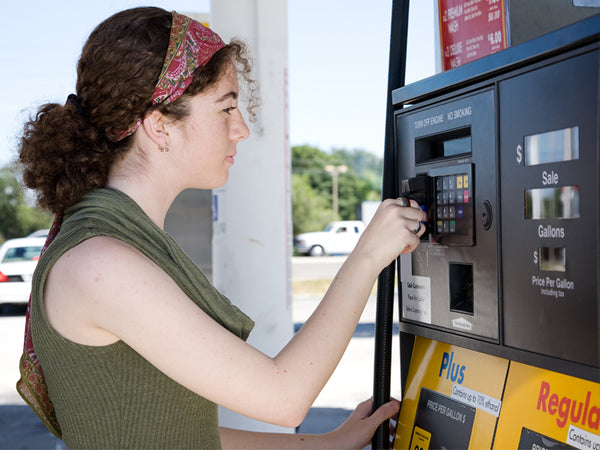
[[416, 299], [552, 286], [452, 399], [416, 293], [531, 439], [542, 405], [448, 423], [460, 398]]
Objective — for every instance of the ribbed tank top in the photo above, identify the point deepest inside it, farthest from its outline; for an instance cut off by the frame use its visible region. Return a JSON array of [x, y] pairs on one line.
[[110, 396]]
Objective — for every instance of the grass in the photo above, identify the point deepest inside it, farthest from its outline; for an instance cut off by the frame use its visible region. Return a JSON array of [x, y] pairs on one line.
[[310, 287]]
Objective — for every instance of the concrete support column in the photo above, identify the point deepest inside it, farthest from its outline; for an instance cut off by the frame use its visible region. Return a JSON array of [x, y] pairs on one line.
[[252, 237]]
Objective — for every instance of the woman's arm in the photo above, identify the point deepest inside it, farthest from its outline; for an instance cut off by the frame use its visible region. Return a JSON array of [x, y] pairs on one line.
[[103, 290], [355, 433]]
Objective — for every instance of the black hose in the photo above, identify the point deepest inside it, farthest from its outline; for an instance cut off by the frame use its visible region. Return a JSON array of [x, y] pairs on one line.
[[384, 322], [385, 281]]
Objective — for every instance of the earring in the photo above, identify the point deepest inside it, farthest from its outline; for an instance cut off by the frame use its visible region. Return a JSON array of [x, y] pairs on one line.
[[164, 149]]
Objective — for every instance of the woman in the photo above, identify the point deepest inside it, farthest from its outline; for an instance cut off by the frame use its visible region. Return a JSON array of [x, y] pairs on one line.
[[137, 347]]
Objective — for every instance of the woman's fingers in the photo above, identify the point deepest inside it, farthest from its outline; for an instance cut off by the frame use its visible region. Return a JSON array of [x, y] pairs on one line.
[[395, 228]]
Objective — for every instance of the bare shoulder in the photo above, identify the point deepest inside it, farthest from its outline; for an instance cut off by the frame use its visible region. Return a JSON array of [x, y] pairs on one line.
[[95, 251], [99, 268], [93, 280]]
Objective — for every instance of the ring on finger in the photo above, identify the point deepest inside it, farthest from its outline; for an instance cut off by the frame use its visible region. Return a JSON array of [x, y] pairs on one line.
[[416, 230], [405, 201]]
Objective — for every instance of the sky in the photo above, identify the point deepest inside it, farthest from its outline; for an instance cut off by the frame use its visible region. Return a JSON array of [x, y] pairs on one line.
[[338, 55]]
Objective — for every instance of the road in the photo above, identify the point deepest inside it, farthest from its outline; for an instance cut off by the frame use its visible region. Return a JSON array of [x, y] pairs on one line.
[[316, 268]]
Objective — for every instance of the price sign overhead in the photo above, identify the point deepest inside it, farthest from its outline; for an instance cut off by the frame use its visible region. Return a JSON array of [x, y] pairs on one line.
[[471, 29]]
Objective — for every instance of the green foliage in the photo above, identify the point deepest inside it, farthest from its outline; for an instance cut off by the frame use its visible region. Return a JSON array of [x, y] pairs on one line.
[[17, 217], [310, 211], [367, 166], [312, 185]]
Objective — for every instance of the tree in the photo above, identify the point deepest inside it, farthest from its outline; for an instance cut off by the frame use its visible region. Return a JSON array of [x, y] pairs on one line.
[[17, 217], [361, 182], [367, 166], [310, 211]]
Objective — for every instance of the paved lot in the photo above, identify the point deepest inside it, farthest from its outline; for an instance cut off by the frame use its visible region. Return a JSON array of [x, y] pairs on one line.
[[316, 268], [351, 383]]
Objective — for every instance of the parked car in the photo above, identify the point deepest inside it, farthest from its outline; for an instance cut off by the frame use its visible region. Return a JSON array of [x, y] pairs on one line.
[[338, 238], [18, 259], [39, 233]]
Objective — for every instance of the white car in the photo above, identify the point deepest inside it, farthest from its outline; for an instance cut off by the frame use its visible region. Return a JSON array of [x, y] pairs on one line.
[[18, 259], [40, 233], [338, 238]]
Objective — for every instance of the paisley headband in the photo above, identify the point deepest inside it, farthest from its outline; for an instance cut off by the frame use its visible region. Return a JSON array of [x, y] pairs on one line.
[[191, 45]]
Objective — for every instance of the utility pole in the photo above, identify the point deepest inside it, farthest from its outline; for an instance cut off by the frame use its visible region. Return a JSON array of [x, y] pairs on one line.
[[335, 171]]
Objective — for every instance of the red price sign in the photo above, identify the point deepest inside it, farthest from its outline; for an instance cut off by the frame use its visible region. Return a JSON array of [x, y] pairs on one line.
[[471, 29]]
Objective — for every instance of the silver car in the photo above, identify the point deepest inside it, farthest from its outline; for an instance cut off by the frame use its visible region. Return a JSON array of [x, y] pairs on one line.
[[18, 259]]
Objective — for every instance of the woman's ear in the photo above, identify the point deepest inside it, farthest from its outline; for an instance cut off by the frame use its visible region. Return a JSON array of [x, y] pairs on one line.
[[156, 127]]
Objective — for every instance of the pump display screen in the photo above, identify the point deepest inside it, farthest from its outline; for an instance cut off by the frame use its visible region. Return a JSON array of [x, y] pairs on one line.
[[552, 258], [552, 203], [553, 146], [457, 146], [440, 146]]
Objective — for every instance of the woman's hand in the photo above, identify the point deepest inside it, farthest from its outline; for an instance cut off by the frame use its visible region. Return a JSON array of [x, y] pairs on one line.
[[395, 228], [355, 433], [358, 430]]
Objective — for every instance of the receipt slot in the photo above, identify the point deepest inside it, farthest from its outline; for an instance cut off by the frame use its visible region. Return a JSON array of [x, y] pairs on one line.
[[503, 155]]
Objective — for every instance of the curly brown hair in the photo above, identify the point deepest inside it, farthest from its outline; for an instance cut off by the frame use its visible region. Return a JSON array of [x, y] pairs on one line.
[[68, 150]]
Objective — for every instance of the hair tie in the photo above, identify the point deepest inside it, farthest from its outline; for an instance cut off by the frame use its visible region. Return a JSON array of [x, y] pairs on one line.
[[74, 100]]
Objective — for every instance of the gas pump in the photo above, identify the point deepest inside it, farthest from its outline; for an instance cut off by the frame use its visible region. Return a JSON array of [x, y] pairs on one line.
[[500, 304]]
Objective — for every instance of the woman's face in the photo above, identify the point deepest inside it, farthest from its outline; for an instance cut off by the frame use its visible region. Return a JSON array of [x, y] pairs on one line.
[[205, 141]]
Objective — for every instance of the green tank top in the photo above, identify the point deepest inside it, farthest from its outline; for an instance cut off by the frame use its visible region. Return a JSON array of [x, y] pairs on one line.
[[109, 396]]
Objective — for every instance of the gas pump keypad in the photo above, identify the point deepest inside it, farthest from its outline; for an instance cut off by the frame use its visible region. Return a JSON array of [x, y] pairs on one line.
[[452, 198], [453, 205], [446, 195]]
